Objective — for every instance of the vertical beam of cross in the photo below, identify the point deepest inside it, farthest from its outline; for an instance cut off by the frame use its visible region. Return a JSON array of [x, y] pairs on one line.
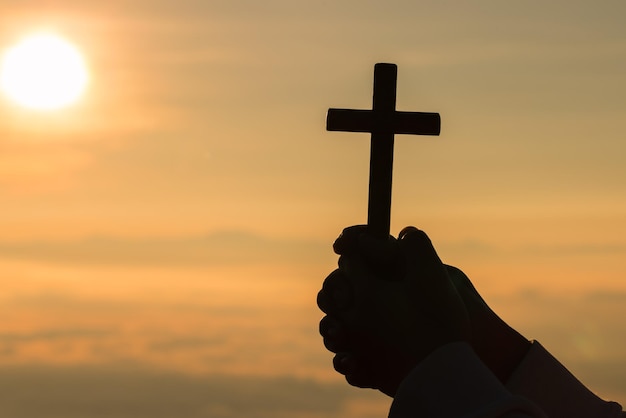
[[383, 122]]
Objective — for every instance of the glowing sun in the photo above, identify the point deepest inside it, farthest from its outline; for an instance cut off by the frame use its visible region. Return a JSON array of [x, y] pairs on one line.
[[43, 72]]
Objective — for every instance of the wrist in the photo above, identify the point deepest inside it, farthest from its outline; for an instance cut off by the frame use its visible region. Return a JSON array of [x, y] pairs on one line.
[[502, 350]]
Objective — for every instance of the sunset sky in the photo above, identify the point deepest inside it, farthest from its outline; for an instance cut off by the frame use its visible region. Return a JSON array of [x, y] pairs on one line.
[[164, 238]]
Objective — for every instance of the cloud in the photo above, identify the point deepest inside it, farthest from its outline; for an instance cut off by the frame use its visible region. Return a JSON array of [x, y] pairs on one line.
[[478, 246], [53, 335], [603, 296], [224, 247], [38, 167], [116, 392], [606, 377]]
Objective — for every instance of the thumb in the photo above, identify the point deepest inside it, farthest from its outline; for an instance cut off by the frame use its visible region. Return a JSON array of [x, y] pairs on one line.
[[428, 277], [420, 256]]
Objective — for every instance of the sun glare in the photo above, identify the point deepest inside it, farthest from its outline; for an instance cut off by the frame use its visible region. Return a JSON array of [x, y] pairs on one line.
[[43, 72]]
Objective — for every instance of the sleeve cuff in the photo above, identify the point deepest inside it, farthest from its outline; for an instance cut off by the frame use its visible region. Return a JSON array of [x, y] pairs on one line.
[[453, 382]]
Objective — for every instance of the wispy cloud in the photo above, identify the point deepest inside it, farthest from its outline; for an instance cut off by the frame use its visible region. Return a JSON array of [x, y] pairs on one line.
[[478, 246], [98, 392], [224, 247]]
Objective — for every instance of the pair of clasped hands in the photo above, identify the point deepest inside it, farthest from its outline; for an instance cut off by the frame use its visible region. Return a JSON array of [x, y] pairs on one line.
[[392, 303]]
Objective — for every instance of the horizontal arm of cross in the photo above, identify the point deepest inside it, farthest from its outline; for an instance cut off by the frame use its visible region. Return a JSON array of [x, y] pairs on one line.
[[411, 123]]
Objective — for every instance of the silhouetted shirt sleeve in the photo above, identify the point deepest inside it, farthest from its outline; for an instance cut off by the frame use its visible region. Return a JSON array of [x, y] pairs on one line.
[[452, 382]]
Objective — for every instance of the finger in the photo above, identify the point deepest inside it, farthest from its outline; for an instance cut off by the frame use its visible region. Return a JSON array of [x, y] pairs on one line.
[[327, 323], [335, 336], [359, 380], [347, 242], [344, 363], [420, 254], [426, 274], [406, 230], [336, 294], [443, 301], [361, 377]]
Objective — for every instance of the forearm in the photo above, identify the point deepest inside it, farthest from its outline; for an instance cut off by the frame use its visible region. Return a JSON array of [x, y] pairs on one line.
[[502, 350], [497, 344]]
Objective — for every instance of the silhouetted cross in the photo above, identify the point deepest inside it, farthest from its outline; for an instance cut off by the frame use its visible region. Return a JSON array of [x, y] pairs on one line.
[[383, 122]]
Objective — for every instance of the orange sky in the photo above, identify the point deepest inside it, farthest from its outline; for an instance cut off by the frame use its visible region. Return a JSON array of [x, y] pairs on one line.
[[183, 211]]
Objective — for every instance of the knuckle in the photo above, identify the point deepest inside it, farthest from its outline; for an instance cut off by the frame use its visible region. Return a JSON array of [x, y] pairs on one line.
[[342, 363], [323, 301]]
